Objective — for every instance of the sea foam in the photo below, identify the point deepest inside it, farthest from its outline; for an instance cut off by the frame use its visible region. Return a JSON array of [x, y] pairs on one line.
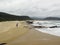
[[52, 31]]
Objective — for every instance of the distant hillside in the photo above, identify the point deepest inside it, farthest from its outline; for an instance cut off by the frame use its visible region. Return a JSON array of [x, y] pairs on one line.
[[52, 18], [10, 17], [36, 18], [47, 18]]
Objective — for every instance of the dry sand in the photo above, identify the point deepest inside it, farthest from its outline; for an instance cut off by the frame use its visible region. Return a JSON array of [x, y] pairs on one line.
[[24, 35]]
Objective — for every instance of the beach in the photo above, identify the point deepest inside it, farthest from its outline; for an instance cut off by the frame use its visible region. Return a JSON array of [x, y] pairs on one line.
[[24, 35]]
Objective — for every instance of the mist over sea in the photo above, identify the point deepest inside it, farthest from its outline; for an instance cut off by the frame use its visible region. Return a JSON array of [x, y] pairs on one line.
[[53, 31]]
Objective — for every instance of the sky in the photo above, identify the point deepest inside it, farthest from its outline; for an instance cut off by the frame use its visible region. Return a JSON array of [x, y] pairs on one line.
[[38, 8]]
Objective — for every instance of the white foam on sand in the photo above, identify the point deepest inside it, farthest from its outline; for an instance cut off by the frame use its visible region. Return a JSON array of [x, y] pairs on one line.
[[52, 31]]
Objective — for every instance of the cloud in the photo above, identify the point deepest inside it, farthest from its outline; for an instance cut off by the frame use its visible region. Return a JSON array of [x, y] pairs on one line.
[[41, 8]]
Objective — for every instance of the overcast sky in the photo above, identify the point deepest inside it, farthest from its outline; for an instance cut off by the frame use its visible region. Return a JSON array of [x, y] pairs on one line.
[[42, 8]]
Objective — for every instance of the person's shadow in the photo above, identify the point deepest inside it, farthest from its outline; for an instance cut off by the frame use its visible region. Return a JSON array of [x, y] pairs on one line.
[[3, 43]]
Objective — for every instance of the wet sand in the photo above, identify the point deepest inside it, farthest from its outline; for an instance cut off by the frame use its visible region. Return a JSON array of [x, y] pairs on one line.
[[34, 37], [27, 36]]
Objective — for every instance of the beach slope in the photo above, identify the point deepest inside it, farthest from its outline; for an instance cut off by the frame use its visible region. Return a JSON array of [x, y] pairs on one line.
[[25, 35]]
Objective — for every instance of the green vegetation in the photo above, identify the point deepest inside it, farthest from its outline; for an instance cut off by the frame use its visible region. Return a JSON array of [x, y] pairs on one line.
[[10, 17]]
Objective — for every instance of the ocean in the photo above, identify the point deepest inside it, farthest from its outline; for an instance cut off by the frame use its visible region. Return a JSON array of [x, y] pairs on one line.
[[53, 31]]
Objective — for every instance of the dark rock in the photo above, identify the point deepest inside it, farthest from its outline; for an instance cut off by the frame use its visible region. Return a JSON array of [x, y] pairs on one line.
[[53, 27], [3, 43]]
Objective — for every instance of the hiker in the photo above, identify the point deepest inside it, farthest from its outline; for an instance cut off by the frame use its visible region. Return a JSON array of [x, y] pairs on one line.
[[16, 24]]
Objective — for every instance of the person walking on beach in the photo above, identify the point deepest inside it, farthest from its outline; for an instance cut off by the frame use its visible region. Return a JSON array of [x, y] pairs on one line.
[[16, 24]]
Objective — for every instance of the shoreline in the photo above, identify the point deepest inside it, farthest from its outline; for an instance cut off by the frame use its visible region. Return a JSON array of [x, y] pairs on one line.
[[27, 36], [48, 32], [33, 37]]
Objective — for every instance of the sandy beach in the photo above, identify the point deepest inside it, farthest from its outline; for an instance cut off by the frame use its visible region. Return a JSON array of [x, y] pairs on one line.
[[24, 35]]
